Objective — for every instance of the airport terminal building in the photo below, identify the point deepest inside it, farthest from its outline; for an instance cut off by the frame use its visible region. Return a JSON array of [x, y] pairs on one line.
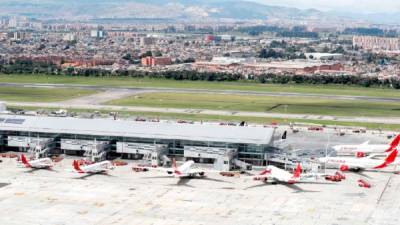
[[155, 141]]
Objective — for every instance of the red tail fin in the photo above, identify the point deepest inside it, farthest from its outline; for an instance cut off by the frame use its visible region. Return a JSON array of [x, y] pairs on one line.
[[388, 160], [24, 160], [391, 157], [76, 166], [176, 171], [297, 172], [265, 172], [174, 163], [394, 143]]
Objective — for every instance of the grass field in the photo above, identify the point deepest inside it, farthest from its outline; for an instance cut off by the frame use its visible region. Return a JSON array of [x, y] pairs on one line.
[[237, 119], [40, 94], [293, 105], [242, 86]]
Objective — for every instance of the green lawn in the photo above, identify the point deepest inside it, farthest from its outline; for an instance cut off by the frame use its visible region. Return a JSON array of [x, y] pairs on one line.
[[298, 105], [237, 119], [242, 85], [40, 94]]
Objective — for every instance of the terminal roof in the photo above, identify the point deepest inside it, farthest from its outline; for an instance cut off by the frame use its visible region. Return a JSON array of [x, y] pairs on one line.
[[136, 129]]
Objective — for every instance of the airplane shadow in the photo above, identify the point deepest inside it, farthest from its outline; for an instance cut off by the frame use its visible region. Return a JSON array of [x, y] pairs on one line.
[[37, 169], [293, 187], [92, 174]]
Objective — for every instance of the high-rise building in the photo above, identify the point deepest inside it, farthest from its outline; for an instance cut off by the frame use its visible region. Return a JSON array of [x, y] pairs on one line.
[[377, 43], [145, 41], [97, 33]]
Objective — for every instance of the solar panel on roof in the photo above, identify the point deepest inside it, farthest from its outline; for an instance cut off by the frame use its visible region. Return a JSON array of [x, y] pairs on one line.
[[15, 121]]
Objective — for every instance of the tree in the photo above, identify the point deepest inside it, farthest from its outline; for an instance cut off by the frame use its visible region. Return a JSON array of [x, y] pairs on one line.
[[127, 56]]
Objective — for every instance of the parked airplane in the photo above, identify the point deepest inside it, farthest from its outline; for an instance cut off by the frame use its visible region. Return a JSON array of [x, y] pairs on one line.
[[357, 164], [276, 174], [183, 172], [96, 168], [365, 148], [43, 163]]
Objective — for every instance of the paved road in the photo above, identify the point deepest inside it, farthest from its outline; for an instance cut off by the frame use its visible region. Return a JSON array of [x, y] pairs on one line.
[[383, 120], [188, 90]]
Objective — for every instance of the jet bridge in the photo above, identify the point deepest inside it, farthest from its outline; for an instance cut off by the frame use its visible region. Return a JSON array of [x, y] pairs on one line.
[[93, 150], [156, 153], [40, 147], [222, 157]]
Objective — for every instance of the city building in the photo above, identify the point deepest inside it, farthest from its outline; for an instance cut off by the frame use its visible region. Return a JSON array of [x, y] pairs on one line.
[[323, 56], [156, 61], [145, 41], [377, 43], [97, 33], [69, 37]]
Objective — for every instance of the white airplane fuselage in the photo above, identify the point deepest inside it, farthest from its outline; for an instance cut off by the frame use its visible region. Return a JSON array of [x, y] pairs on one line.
[[345, 163], [40, 163], [367, 149], [184, 170], [99, 167]]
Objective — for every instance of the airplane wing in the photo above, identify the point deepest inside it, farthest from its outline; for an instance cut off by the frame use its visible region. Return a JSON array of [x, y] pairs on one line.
[[159, 169], [198, 171], [365, 143], [350, 166]]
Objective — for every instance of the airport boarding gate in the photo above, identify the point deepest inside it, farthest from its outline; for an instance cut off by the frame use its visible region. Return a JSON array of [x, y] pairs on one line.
[[156, 153], [222, 157], [93, 150], [39, 147]]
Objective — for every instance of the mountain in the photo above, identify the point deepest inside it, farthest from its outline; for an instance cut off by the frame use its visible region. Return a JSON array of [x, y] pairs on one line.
[[161, 9]]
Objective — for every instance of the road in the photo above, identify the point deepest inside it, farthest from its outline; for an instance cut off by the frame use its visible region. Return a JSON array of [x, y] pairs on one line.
[[187, 90]]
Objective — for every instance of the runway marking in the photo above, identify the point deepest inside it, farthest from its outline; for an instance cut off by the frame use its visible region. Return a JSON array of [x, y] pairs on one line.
[[384, 189]]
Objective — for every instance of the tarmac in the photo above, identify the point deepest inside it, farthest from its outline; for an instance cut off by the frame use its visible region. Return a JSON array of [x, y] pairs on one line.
[[127, 197]]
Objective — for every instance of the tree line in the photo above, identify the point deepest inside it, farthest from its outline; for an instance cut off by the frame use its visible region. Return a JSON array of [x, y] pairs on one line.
[[29, 67]]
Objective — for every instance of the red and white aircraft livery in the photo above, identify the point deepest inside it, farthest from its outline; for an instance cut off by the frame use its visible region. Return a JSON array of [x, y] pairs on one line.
[[100, 167], [365, 148], [357, 164], [183, 171], [43, 163], [276, 174]]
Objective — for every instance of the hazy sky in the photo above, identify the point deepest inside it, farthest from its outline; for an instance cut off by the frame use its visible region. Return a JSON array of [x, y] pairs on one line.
[[364, 6]]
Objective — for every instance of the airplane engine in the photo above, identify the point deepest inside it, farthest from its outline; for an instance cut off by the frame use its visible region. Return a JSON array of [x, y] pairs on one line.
[[360, 154], [344, 168], [263, 179], [169, 172], [201, 173]]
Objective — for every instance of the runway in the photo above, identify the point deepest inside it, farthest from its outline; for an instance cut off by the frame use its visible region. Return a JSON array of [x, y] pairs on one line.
[[63, 105], [186, 90]]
